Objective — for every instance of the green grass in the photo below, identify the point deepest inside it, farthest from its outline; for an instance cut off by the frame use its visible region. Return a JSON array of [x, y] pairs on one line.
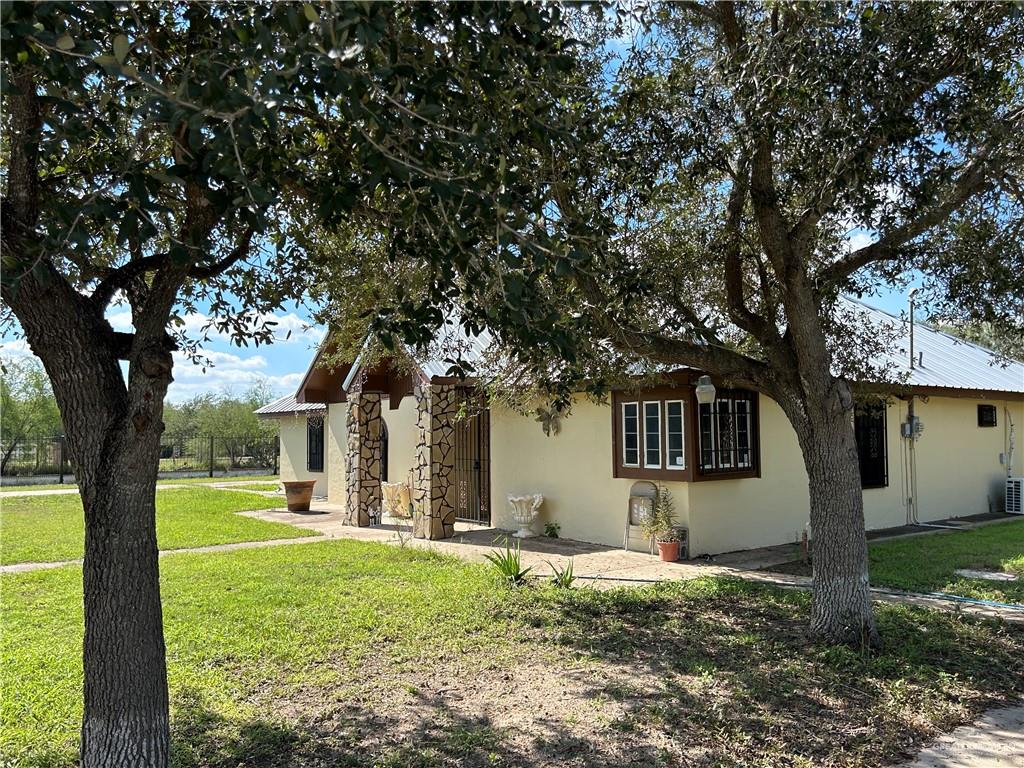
[[357, 654], [21, 488], [256, 487], [928, 563], [51, 528]]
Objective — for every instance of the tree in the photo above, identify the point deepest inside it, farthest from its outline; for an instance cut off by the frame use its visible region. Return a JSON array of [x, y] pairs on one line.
[[27, 406], [704, 226], [156, 153]]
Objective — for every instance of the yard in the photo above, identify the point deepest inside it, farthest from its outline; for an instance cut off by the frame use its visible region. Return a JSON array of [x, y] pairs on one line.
[[929, 562], [18, 488], [354, 654], [51, 528]]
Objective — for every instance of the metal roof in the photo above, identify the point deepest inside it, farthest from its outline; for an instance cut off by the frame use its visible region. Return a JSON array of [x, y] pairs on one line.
[[453, 337], [286, 405], [946, 361]]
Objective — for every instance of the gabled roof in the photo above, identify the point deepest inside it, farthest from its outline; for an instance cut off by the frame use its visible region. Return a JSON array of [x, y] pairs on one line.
[[946, 362], [288, 405]]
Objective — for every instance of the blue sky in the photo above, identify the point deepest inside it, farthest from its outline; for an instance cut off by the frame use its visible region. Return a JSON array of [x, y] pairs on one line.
[[282, 363], [233, 368]]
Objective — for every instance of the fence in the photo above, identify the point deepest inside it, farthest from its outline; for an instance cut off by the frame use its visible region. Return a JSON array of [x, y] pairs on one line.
[[46, 459]]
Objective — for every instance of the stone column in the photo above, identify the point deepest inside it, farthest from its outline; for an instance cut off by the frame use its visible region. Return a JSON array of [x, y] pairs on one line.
[[434, 473], [363, 459]]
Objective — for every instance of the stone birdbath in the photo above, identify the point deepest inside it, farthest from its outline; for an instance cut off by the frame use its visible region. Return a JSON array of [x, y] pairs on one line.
[[524, 512], [298, 494]]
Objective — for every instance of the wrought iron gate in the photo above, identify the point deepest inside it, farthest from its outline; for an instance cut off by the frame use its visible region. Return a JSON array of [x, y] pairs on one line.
[[472, 458]]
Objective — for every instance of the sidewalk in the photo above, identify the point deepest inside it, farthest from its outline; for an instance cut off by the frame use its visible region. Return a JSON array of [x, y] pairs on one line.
[[995, 741]]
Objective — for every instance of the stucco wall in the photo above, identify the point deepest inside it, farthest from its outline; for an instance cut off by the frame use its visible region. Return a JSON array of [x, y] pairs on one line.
[[293, 453], [573, 470], [958, 473], [401, 438], [336, 442]]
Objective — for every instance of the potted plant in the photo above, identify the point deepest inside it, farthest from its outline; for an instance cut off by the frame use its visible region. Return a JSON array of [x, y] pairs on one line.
[[660, 525]]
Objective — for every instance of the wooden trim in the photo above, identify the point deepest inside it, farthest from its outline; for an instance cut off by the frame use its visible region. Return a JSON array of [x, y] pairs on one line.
[[659, 395], [755, 441]]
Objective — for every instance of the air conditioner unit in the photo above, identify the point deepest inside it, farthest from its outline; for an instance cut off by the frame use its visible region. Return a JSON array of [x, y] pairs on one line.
[[1015, 495]]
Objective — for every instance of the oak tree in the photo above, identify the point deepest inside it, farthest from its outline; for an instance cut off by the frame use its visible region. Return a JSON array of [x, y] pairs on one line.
[[155, 155]]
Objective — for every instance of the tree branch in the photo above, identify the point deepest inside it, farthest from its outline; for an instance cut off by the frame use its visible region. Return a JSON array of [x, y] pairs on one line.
[[973, 179]]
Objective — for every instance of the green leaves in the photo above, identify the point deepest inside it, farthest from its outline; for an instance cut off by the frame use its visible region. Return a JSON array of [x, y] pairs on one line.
[[121, 48]]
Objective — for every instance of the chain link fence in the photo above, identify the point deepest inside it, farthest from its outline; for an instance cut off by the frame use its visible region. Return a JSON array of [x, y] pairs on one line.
[[45, 459]]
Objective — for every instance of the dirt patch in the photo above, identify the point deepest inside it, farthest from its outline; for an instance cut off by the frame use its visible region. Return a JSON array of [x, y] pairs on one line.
[[652, 678]]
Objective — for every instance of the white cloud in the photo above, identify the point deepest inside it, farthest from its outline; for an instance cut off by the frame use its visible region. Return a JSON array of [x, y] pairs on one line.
[[858, 239], [15, 349], [226, 371], [288, 329]]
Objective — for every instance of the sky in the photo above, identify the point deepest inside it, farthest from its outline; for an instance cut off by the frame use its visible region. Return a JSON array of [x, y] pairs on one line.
[[233, 369], [283, 363]]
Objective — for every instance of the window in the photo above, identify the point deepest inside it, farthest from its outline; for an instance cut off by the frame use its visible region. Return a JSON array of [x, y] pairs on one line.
[[630, 435], [869, 429], [726, 433], [664, 435], [986, 416], [652, 434], [315, 444], [676, 457]]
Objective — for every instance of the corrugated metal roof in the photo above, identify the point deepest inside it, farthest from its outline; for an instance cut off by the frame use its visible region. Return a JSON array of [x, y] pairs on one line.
[[286, 405], [472, 349], [946, 360]]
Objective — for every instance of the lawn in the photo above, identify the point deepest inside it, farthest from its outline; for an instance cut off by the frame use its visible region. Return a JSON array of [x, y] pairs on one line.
[[51, 528], [357, 654], [21, 488], [928, 563]]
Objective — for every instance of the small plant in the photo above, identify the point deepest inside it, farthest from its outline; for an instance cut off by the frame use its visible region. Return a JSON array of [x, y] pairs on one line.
[[562, 577], [551, 530], [660, 522], [509, 565]]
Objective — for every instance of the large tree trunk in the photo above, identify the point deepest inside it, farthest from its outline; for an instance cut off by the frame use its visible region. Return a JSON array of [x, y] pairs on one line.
[[841, 609], [113, 431], [125, 720]]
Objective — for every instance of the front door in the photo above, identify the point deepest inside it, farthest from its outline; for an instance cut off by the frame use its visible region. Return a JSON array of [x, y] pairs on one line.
[[472, 455]]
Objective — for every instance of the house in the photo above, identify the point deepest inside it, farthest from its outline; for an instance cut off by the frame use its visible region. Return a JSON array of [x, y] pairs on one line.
[[939, 445]]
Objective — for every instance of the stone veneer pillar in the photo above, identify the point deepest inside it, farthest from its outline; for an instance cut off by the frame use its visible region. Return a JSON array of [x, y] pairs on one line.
[[363, 459], [433, 492]]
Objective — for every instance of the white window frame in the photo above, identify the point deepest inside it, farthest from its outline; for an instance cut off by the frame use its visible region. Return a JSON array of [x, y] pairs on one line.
[[657, 404], [682, 435], [639, 433]]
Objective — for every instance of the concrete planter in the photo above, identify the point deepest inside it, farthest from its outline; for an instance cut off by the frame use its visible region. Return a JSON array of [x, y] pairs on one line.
[[298, 494]]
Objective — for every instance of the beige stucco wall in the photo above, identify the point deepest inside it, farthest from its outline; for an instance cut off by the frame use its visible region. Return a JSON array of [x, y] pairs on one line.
[[958, 473], [293, 453], [336, 441], [573, 470], [401, 425]]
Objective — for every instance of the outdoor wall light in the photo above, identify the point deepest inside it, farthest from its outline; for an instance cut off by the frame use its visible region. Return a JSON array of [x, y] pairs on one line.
[[705, 390]]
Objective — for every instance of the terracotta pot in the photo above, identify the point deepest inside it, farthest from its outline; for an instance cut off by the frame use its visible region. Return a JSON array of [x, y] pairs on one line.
[[669, 551], [298, 493]]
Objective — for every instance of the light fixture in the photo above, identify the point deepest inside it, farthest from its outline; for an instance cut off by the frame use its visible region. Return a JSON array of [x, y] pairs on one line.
[[705, 390]]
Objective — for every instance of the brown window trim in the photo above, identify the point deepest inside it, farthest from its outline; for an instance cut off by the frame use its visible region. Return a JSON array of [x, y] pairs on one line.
[[755, 439], [692, 472]]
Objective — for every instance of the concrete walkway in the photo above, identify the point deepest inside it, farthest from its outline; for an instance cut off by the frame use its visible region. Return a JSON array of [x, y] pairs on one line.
[[995, 741], [13, 490]]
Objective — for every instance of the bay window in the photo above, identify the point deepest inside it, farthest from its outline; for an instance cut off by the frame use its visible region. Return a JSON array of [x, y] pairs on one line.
[[662, 433]]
